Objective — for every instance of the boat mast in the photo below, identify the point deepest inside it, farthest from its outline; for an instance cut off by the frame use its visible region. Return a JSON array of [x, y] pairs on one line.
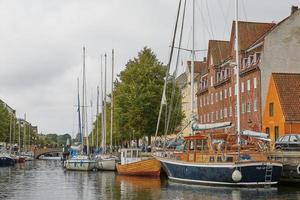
[[192, 66], [83, 103], [10, 130], [79, 115], [237, 60], [102, 107], [19, 146], [24, 136], [97, 126], [92, 129], [104, 99], [112, 98]]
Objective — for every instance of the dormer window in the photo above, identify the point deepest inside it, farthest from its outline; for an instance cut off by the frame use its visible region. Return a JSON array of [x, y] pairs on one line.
[[245, 62], [251, 60], [257, 57]]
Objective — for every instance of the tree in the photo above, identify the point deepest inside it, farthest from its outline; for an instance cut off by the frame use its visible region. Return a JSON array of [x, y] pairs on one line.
[[138, 95]]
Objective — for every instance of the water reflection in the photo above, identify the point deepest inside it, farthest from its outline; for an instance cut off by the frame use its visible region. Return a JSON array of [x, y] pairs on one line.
[[47, 180]]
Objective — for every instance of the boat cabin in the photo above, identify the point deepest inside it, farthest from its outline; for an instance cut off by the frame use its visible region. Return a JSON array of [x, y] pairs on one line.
[[130, 155], [219, 148]]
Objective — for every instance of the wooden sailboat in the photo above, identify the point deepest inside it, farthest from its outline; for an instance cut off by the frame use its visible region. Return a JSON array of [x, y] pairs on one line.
[[107, 161], [82, 162], [220, 159]]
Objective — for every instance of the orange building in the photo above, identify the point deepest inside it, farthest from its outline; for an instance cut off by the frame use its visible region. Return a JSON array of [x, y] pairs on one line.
[[282, 109]]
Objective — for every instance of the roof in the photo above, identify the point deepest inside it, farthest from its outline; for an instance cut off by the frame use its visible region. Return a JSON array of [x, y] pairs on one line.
[[218, 50], [200, 67], [249, 32], [181, 80], [288, 89]]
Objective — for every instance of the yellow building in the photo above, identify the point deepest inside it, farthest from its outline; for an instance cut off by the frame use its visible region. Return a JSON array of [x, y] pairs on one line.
[[282, 109]]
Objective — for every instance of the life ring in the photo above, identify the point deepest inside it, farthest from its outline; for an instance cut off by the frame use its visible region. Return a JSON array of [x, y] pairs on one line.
[[298, 169]]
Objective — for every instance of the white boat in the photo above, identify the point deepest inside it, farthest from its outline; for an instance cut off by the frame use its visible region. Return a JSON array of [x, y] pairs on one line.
[[43, 157], [106, 162], [80, 163]]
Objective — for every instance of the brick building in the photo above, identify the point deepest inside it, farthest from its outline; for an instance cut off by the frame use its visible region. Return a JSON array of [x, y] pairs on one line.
[[216, 93]]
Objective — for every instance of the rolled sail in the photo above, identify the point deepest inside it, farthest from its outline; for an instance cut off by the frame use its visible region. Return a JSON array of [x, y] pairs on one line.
[[202, 127], [260, 135]]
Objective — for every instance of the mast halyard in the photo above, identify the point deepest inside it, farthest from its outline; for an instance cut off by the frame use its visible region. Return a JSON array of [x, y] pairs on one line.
[[112, 98], [237, 60]]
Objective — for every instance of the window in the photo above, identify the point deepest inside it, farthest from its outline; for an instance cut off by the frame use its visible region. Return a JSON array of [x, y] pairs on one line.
[[200, 118], [221, 96], [254, 83], [276, 131], [207, 100], [204, 118], [257, 57], [204, 101], [221, 114], [230, 111], [255, 105], [208, 120], [212, 98], [212, 116], [249, 107], [248, 85], [293, 138], [225, 112], [217, 115], [216, 96], [211, 81], [245, 62], [235, 89], [227, 72], [268, 130], [225, 93], [251, 59], [271, 109], [242, 87], [229, 91], [200, 102], [243, 108]]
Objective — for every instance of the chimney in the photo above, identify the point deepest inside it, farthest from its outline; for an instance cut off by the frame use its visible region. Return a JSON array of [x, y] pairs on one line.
[[294, 9]]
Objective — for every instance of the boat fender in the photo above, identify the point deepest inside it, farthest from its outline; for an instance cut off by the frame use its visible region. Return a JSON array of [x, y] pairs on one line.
[[236, 176], [298, 169]]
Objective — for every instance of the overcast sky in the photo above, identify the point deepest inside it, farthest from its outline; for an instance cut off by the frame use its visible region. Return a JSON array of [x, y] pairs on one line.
[[41, 45]]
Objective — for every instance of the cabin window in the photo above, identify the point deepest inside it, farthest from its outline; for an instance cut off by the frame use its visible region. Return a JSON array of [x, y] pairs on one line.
[[134, 153], [201, 145], [129, 154], [271, 109]]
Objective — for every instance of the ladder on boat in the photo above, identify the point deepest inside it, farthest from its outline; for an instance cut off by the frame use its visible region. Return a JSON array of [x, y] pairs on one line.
[[269, 172]]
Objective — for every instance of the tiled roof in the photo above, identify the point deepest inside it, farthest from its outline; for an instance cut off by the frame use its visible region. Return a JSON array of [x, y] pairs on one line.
[[288, 89], [200, 67], [218, 50], [249, 32]]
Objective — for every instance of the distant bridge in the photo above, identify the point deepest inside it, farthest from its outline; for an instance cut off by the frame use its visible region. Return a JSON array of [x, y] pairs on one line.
[[43, 151]]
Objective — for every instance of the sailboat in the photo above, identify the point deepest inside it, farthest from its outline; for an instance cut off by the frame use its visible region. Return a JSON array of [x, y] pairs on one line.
[[220, 158], [107, 161], [82, 162]]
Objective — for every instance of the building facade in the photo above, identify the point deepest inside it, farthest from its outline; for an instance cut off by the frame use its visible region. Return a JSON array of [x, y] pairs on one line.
[[282, 108], [260, 45]]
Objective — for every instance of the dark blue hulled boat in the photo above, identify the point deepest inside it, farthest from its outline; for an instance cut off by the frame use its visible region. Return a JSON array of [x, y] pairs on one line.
[[207, 160], [6, 160]]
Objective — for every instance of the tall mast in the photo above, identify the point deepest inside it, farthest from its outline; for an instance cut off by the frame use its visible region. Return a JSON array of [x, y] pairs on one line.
[[92, 131], [97, 126], [104, 99], [79, 115], [237, 60], [84, 132], [24, 136], [10, 131], [193, 65], [19, 145], [112, 98], [102, 107]]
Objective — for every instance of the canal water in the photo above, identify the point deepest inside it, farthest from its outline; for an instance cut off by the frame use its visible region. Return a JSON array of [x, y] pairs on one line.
[[39, 180]]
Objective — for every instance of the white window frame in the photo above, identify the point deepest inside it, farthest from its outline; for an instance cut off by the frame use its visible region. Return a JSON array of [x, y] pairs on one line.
[[248, 84], [254, 82], [242, 87]]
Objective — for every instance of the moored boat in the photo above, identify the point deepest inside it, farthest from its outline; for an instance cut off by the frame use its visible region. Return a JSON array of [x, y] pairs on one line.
[[106, 162], [133, 163], [213, 159], [80, 163], [6, 160]]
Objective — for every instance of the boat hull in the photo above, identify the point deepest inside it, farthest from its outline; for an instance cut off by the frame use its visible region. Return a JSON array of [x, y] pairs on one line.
[[149, 167], [108, 164], [6, 161], [252, 173], [80, 165]]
